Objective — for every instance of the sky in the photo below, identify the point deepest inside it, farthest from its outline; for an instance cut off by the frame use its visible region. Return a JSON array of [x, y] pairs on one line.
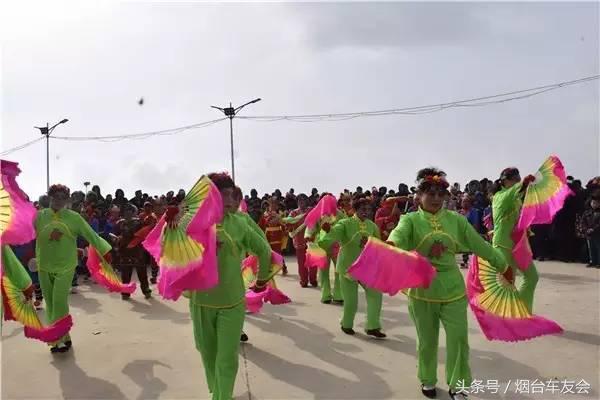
[[90, 62]]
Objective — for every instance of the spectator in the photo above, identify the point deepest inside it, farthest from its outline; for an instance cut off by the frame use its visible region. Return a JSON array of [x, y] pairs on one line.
[[114, 215], [314, 197], [291, 203], [96, 190], [138, 200], [130, 252], [473, 215], [403, 190], [254, 205], [43, 202], [591, 228], [77, 200], [120, 199]]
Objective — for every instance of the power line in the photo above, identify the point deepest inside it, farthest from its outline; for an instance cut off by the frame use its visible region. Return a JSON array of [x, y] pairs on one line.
[[140, 136], [117, 138], [425, 109], [20, 147]]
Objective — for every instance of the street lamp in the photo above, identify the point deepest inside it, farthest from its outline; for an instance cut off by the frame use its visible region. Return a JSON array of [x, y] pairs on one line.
[[46, 131], [230, 113], [86, 184]]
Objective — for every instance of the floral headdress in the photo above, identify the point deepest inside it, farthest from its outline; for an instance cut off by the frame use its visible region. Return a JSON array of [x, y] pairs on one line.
[[433, 180]]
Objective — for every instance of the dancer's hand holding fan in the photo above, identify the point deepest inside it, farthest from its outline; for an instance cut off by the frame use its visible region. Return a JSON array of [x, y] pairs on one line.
[[183, 243], [324, 212], [263, 291], [545, 195], [389, 269], [103, 273]]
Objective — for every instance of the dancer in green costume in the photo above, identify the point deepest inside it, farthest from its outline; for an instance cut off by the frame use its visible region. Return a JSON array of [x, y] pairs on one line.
[[57, 230], [352, 234], [438, 234], [218, 313], [314, 235], [506, 208]]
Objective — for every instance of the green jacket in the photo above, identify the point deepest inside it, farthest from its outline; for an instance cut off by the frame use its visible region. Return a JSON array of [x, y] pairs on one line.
[[253, 225], [448, 232], [506, 206], [349, 232], [56, 244], [235, 236]]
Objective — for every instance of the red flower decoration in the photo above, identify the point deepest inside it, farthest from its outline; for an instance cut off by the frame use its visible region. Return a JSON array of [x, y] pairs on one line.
[[55, 235], [437, 249]]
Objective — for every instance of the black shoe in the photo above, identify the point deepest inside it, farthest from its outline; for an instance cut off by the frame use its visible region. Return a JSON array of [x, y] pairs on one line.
[[284, 271], [590, 266], [148, 295], [314, 284], [303, 284], [338, 302], [59, 349], [376, 333], [153, 281], [69, 344], [326, 301], [125, 297], [460, 395], [348, 331], [429, 393], [243, 337]]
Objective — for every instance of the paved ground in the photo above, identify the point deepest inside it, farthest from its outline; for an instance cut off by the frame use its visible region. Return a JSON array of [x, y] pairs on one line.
[[144, 349]]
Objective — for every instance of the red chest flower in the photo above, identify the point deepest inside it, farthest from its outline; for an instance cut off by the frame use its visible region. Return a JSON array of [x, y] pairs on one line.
[[55, 235], [437, 249]]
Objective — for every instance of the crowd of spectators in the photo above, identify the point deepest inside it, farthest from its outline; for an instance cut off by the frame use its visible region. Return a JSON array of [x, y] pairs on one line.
[[574, 235]]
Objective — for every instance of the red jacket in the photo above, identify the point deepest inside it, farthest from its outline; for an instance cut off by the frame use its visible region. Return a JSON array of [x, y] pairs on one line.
[[274, 231], [298, 239], [386, 221]]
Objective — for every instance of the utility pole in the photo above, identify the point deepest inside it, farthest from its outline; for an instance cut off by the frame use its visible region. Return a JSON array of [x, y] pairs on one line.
[[230, 113], [46, 131]]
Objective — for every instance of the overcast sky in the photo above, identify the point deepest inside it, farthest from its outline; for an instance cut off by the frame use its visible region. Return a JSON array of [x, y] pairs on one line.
[[91, 64]]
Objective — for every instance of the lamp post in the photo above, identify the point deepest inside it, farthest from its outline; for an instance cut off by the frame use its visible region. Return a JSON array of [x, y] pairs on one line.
[[230, 113], [86, 184], [46, 131]]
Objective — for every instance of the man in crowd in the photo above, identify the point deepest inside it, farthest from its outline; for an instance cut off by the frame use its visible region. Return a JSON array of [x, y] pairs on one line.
[[254, 205]]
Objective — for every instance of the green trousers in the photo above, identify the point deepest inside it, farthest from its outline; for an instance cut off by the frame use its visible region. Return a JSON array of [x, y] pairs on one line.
[[350, 295], [325, 282], [529, 279], [56, 288], [217, 335], [426, 317]]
